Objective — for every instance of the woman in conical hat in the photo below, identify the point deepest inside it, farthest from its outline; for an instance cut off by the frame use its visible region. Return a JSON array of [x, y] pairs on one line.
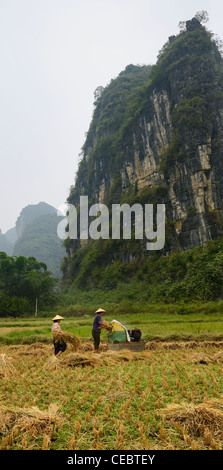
[[57, 317], [59, 346]]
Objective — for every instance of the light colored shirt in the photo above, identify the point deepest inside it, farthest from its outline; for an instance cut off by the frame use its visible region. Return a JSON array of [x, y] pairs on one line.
[[56, 326]]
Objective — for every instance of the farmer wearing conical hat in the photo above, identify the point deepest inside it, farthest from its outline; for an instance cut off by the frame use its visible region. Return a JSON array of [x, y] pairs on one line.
[[59, 346], [98, 323]]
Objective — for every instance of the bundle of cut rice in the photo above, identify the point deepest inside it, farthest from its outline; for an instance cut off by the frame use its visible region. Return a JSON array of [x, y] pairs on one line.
[[111, 357], [6, 420], [6, 366], [198, 418], [85, 346], [199, 357], [52, 364], [72, 340], [77, 359], [32, 420], [107, 358], [67, 338], [57, 336], [37, 420]]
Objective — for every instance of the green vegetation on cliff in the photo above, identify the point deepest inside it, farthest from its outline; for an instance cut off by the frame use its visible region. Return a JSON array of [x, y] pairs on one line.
[[194, 275]]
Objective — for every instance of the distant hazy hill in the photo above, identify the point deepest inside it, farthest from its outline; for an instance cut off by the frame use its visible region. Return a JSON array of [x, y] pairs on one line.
[[39, 239], [5, 244], [35, 235], [31, 212]]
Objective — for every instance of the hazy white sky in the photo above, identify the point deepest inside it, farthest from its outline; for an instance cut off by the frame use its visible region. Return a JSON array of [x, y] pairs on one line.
[[54, 54]]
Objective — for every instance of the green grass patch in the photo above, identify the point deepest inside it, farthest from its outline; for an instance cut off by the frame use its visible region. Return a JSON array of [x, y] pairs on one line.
[[161, 322]]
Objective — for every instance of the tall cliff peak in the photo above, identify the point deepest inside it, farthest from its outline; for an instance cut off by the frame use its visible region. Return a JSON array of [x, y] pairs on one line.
[[157, 136]]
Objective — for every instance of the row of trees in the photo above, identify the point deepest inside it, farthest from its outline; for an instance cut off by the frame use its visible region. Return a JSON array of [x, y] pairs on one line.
[[22, 281]]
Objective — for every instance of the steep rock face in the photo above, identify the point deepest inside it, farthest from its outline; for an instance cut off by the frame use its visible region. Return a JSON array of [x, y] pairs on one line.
[[169, 137], [151, 134]]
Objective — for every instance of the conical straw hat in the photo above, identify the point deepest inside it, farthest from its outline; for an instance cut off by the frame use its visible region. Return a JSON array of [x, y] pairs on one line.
[[100, 310], [57, 317]]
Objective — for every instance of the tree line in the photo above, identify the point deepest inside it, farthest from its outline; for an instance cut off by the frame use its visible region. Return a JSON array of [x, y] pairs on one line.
[[22, 281]]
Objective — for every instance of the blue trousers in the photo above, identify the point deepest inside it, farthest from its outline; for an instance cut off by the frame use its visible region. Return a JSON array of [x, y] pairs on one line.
[[59, 347]]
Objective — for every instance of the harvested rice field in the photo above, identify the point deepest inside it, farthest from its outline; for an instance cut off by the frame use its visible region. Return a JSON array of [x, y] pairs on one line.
[[170, 396]]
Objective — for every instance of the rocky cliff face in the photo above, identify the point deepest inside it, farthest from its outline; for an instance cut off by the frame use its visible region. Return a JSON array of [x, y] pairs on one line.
[[165, 135]]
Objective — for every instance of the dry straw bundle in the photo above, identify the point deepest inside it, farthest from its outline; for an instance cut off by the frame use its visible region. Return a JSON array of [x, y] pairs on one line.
[[153, 345], [7, 419], [200, 357], [52, 364], [67, 338], [31, 421], [88, 358], [85, 346], [37, 420], [6, 367], [107, 358], [206, 417], [80, 359]]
